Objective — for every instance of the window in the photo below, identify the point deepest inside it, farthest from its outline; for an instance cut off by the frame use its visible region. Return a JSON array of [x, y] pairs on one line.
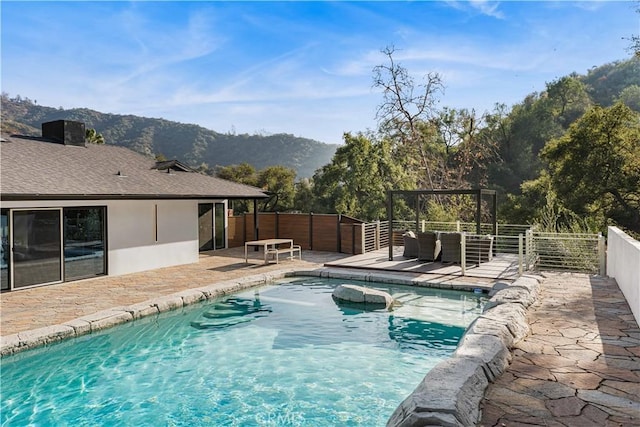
[[4, 250], [84, 242], [36, 247]]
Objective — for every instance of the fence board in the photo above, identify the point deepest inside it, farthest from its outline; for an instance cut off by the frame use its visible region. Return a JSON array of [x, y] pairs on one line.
[[296, 227], [235, 231], [325, 233]]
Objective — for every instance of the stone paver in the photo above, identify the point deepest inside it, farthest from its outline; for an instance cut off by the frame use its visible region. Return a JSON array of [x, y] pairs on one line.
[[579, 366], [34, 308]]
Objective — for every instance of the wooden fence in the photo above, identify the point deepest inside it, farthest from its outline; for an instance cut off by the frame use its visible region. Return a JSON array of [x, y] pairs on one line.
[[318, 232]]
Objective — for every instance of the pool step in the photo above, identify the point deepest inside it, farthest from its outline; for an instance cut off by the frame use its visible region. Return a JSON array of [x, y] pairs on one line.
[[231, 312]]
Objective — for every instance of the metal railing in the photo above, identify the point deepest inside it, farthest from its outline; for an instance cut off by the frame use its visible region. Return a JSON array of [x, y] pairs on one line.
[[371, 237], [536, 250], [567, 252]]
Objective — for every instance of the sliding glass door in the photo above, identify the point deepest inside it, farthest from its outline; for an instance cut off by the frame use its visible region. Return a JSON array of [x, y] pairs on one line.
[[37, 247], [42, 246], [211, 226], [84, 242], [4, 250]]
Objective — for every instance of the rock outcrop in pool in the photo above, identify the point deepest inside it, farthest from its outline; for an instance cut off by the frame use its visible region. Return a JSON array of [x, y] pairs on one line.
[[368, 297]]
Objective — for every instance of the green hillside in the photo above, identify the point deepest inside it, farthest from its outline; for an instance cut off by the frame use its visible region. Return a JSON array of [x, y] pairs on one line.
[[190, 143]]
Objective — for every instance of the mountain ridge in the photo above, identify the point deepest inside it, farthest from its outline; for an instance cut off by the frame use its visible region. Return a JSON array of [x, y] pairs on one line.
[[193, 144]]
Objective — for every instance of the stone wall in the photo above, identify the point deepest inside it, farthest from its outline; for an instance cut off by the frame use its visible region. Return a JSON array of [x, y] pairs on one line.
[[450, 394]]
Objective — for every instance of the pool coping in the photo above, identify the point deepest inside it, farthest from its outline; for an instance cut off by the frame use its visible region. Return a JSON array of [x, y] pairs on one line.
[[450, 393]]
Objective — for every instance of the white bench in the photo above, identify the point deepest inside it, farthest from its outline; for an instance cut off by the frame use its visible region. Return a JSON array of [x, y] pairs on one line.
[[275, 252]]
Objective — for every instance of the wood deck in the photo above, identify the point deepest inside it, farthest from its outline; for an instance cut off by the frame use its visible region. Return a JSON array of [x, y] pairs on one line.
[[502, 267]]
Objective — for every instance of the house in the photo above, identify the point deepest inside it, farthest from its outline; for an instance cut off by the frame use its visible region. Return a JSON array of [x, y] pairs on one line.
[[71, 210]]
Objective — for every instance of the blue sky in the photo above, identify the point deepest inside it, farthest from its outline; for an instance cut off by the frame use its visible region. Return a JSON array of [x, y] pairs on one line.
[[303, 68]]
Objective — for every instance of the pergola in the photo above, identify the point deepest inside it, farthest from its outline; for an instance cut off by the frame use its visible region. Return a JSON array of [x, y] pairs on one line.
[[478, 193]]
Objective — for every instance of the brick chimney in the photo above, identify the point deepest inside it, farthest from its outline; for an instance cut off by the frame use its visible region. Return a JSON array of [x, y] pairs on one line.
[[65, 132]]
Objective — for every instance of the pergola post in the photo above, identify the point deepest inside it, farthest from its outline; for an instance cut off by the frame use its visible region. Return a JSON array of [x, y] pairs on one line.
[[478, 211], [390, 216], [256, 234]]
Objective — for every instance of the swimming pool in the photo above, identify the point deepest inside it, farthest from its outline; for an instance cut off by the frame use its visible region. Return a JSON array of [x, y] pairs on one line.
[[283, 354]]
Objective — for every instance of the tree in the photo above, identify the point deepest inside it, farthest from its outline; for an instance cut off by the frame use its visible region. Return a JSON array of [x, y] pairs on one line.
[[406, 111], [279, 182], [595, 166], [303, 200], [93, 137], [630, 96], [568, 99], [243, 173], [356, 181]]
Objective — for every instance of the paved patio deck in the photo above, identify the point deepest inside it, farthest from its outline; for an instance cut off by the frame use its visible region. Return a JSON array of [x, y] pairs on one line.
[[580, 366], [502, 266]]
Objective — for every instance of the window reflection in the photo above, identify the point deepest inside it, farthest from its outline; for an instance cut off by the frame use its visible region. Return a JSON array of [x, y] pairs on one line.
[[84, 242], [4, 249]]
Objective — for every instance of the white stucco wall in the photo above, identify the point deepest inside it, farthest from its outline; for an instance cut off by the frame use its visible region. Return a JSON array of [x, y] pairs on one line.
[[623, 264], [132, 234], [134, 241]]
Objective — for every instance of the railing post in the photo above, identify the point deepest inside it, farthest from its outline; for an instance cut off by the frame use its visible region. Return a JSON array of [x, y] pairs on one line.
[[458, 226], [463, 253], [527, 255], [339, 233], [520, 254], [363, 238], [377, 235], [423, 225], [602, 255]]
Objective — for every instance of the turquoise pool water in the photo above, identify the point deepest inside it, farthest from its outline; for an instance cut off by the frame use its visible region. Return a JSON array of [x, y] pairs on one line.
[[281, 355]]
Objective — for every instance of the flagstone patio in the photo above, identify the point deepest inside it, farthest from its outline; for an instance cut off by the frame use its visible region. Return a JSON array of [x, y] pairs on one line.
[[579, 366]]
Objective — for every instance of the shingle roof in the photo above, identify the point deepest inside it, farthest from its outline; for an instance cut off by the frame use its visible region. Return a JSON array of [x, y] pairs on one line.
[[36, 168]]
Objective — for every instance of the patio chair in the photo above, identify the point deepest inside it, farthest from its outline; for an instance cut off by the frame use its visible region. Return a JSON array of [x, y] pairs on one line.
[[450, 246], [428, 246], [410, 245], [479, 249]]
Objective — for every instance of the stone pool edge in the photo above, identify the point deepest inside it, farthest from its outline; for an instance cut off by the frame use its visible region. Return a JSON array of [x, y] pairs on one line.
[[450, 394], [34, 338]]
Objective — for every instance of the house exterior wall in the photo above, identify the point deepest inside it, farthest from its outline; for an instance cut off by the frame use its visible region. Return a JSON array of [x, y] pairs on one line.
[[149, 234], [142, 234], [623, 259]]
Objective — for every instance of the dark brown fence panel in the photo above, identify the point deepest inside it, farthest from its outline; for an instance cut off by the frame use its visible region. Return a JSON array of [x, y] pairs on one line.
[[317, 232], [296, 227], [267, 226], [325, 233], [236, 231], [351, 238], [346, 238], [359, 243]]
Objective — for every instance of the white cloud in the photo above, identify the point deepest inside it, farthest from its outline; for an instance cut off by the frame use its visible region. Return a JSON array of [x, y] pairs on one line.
[[489, 8], [485, 7]]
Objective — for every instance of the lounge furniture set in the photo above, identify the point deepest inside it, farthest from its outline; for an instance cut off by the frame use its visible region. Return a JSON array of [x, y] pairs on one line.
[[447, 246]]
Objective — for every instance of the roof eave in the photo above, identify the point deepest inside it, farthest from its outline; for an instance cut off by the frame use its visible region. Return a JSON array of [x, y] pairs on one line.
[[25, 197]]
